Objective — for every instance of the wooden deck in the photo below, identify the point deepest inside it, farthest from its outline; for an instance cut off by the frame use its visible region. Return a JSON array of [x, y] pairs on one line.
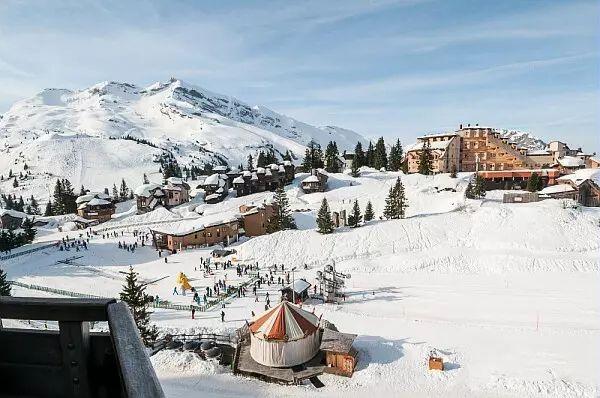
[[249, 367]]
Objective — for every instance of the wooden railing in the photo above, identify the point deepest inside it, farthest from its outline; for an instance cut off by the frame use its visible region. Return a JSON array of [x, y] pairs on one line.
[[73, 362]]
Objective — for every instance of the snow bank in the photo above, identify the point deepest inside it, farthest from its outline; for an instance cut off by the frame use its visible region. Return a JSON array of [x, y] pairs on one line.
[[178, 362]]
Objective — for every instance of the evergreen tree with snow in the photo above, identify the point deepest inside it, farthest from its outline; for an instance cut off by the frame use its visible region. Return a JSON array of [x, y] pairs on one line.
[[29, 231], [425, 159], [332, 158], [324, 221], [115, 193], [370, 155], [287, 156], [354, 171], [250, 163], [106, 191], [478, 190], [400, 195], [282, 219], [15, 183], [4, 285], [359, 156], [20, 205], [535, 183], [355, 216], [369, 214], [48, 210], [124, 191], [390, 209], [307, 161], [10, 173], [395, 158], [146, 181], [380, 155], [134, 294]]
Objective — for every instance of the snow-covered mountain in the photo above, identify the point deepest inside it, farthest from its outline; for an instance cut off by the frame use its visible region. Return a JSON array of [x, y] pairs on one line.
[[111, 130], [523, 139]]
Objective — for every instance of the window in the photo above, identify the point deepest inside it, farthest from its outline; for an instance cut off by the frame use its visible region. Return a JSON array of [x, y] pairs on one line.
[[218, 232], [209, 234], [170, 195]]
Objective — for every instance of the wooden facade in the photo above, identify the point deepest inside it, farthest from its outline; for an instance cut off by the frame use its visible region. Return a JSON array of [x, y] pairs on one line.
[[445, 152], [316, 182], [223, 233], [340, 356], [256, 218]]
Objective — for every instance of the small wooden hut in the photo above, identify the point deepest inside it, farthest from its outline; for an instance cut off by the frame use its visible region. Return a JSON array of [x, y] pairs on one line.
[[339, 355]]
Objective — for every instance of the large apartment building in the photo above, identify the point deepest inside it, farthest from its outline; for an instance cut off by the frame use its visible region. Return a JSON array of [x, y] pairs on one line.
[[445, 152]]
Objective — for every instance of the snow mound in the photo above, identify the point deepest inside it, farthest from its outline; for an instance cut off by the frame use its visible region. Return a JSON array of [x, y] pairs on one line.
[[179, 362]]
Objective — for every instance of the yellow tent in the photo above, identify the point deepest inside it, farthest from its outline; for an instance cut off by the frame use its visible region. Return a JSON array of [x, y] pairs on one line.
[[183, 281]]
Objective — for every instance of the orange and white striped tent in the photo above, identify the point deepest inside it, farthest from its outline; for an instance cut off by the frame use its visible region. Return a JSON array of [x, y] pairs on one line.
[[284, 336]]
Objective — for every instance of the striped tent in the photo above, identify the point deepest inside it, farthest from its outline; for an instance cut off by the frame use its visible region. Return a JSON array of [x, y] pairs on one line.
[[284, 336]]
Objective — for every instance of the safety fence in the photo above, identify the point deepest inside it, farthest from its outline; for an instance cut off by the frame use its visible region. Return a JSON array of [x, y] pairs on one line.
[[28, 251]]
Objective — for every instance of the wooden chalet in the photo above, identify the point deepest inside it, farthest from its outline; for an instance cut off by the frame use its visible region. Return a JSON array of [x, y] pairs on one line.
[[148, 197], [11, 219], [255, 218], [95, 206], [316, 182], [262, 179], [176, 192], [340, 356]]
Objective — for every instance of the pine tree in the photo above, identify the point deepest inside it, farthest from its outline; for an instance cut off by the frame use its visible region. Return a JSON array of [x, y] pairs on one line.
[[282, 219], [380, 155], [402, 202], [324, 221], [261, 161], [478, 189], [534, 183], [359, 155], [15, 183], [134, 294], [250, 163], [4, 285], [370, 155], [307, 161], [82, 191], [331, 158], [28, 230], [354, 172], [146, 181], [390, 210], [106, 191], [395, 158], [68, 197], [124, 191], [48, 210], [115, 193], [34, 206], [10, 173], [355, 217], [20, 205], [369, 214], [425, 159]]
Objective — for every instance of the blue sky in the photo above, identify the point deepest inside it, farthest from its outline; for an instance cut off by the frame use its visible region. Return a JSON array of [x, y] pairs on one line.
[[391, 68]]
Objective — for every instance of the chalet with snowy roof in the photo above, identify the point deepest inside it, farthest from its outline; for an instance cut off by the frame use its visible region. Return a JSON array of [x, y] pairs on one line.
[[592, 162], [587, 184], [297, 291], [255, 218], [216, 188], [445, 152], [262, 179], [559, 191], [11, 219], [568, 164], [148, 197], [176, 192], [95, 206], [316, 182], [204, 231]]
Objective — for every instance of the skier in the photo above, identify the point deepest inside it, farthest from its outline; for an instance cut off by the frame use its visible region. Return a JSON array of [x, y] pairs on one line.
[[222, 316], [166, 260], [193, 312], [175, 292]]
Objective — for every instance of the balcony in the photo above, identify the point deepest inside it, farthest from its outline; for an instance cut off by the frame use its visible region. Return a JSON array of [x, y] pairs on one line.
[[72, 361]]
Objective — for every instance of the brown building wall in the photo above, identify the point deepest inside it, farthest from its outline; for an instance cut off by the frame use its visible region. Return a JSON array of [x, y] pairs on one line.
[[443, 159], [255, 224], [222, 233]]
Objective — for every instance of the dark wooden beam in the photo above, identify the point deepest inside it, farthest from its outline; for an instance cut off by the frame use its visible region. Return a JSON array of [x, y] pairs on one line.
[[59, 309], [137, 373]]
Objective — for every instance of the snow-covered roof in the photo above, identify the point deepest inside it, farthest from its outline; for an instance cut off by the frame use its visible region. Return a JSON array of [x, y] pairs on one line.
[[212, 196], [595, 159], [238, 180], [571, 161], [281, 169], [538, 152], [254, 176], [145, 190], [557, 189], [13, 213], [175, 180], [98, 202], [299, 285], [190, 226], [220, 168], [85, 198], [311, 179], [434, 145], [448, 134], [273, 166], [579, 176], [247, 173], [268, 172], [213, 179], [260, 170]]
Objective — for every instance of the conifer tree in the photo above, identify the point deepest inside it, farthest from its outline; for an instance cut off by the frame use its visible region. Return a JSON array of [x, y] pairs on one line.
[[124, 191], [369, 214], [476, 190], [359, 155], [15, 183], [380, 155], [48, 210], [354, 172], [28, 230], [390, 209], [82, 191], [395, 158], [282, 219], [534, 183], [4, 285], [355, 217], [331, 158], [425, 159], [115, 193], [370, 155], [324, 221], [396, 202], [10, 173], [134, 294], [250, 163]]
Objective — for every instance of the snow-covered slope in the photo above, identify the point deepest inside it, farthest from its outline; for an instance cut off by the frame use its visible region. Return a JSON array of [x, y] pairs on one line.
[[523, 139], [91, 132]]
